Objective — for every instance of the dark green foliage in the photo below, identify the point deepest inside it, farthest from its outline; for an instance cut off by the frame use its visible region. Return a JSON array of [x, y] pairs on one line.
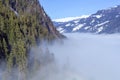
[[29, 25], [23, 23]]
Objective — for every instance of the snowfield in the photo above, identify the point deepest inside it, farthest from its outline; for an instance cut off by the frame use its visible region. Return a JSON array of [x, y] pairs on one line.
[[70, 18]]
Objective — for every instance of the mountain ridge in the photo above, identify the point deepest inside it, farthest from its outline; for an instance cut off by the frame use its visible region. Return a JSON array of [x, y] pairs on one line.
[[103, 21], [69, 18]]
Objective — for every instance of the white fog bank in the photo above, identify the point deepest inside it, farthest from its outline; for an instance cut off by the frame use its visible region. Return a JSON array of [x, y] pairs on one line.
[[96, 57]]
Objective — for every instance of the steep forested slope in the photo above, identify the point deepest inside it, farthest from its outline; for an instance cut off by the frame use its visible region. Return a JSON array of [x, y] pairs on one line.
[[23, 23]]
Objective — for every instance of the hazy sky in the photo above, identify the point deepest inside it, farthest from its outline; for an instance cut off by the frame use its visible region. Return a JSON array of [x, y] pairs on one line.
[[70, 8]]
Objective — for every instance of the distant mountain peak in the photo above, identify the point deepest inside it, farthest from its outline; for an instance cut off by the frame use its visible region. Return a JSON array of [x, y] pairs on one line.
[[103, 21]]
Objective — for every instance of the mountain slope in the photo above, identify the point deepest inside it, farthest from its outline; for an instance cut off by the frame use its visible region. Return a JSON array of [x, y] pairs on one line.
[[69, 18], [103, 21], [23, 24]]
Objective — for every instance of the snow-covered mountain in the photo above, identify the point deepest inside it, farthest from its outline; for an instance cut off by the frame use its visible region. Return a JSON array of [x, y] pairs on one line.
[[103, 21], [70, 18]]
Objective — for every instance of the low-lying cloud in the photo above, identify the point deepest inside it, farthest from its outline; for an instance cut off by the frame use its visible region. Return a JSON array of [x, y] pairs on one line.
[[80, 57], [96, 57]]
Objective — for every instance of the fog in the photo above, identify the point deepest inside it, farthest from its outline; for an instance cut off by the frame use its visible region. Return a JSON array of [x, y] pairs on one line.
[[79, 57], [93, 57]]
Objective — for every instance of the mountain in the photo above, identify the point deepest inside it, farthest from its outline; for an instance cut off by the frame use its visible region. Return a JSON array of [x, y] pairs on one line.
[[105, 21], [23, 24], [69, 18]]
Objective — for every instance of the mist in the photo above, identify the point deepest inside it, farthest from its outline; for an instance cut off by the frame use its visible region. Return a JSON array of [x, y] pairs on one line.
[[94, 57], [79, 57]]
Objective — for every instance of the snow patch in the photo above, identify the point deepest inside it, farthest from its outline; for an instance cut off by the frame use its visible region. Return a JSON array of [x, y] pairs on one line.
[[87, 27], [99, 29], [73, 25], [67, 24], [59, 29], [78, 27], [70, 18], [93, 21], [115, 6], [16, 13], [117, 16], [101, 23], [62, 31], [76, 21], [97, 16]]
